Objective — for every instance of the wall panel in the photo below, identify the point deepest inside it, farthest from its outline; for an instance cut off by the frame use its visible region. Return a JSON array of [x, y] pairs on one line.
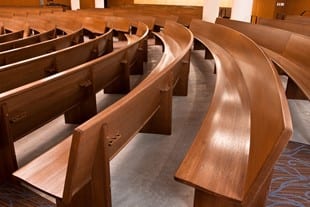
[[295, 7]]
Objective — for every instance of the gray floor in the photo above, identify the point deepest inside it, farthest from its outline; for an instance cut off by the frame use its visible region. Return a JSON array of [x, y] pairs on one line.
[[142, 173]]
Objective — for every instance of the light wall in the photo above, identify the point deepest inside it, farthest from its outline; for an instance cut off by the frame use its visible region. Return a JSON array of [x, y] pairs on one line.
[[172, 2]]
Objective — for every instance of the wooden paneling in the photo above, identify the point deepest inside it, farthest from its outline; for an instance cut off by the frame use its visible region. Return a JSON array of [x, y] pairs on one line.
[[87, 4], [295, 7], [114, 3], [30, 2], [264, 8]]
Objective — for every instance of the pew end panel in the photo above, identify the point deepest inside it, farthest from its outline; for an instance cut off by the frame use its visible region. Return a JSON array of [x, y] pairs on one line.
[[71, 172]]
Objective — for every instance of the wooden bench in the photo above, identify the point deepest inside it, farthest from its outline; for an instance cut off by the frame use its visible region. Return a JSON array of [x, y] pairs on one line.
[[40, 48], [91, 28], [11, 36], [23, 72], [287, 50], [303, 29], [248, 124], [47, 35], [298, 19], [30, 106], [82, 177]]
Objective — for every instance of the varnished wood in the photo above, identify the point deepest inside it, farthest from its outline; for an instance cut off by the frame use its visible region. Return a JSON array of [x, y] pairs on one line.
[[32, 105], [287, 49], [98, 140], [226, 163], [51, 63], [303, 29]]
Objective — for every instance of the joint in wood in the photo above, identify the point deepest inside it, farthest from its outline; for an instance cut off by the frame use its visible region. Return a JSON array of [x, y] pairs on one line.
[[18, 117], [86, 84]]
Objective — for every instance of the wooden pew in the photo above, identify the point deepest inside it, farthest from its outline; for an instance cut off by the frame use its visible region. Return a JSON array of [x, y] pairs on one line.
[[30, 106], [91, 28], [298, 19], [247, 126], [40, 48], [303, 29], [287, 50], [27, 41], [23, 72], [109, 131], [11, 36]]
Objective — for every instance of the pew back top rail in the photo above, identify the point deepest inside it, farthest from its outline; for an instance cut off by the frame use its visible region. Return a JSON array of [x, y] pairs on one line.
[[287, 49], [243, 134]]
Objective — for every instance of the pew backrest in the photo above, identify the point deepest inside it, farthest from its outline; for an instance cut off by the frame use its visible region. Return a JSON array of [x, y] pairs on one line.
[[23, 72], [36, 49], [287, 49], [303, 29]]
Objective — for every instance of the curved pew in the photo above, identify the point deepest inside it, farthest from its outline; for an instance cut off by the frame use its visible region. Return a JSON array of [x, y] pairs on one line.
[[109, 131], [36, 49], [248, 124], [288, 50], [11, 36], [23, 72], [91, 27], [298, 19], [37, 31], [71, 92], [303, 29]]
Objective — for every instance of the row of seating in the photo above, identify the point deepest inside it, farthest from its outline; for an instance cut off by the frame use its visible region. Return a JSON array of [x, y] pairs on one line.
[[27, 11], [287, 50], [30, 106], [82, 160], [243, 134], [292, 26]]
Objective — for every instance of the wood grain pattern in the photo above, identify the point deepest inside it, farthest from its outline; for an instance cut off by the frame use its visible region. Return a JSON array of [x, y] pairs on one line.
[[239, 122]]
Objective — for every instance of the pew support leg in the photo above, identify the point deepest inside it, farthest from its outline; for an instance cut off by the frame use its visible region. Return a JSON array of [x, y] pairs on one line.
[[161, 122], [121, 85], [83, 111], [8, 162], [181, 87], [293, 91]]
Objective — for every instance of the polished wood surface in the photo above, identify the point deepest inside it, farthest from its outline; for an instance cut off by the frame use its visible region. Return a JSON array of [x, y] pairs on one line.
[[87, 178], [286, 49], [19, 73], [32, 105], [241, 136], [299, 28]]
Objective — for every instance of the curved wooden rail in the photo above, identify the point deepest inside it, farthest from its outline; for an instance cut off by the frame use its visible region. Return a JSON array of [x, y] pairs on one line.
[[288, 50], [96, 141], [247, 125]]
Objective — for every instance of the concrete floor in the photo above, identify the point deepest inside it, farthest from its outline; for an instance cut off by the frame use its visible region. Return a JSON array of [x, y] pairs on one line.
[[142, 173]]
